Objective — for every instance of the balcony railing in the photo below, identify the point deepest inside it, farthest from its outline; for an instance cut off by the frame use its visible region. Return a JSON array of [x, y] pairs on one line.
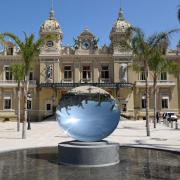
[[72, 85], [69, 80], [13, 83], [160, 83], [105, 80], [89, 80]]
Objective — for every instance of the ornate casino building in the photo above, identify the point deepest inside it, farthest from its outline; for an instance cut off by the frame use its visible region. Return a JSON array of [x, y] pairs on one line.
[[60, 68]]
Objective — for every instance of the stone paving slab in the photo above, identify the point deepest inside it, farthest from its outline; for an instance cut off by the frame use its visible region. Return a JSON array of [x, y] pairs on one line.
[[128, 133]]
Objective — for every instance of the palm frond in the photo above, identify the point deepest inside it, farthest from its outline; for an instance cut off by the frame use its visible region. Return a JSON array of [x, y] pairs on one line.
[[2, 39], [29, 48], [159, 41], [140, 47], [18, 71], [178, 13], [177, 30], [157, 63], [25, 36], [14, 38], [173, 67], [152, 39]]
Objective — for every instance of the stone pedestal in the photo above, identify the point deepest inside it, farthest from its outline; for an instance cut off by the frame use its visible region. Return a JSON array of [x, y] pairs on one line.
[[88, 154]]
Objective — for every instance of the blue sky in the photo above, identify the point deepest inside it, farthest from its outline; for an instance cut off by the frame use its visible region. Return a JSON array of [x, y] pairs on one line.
[[98, 15]]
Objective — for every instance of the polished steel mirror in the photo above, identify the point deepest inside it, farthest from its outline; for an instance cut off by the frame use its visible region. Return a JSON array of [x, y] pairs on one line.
[[88, 113]]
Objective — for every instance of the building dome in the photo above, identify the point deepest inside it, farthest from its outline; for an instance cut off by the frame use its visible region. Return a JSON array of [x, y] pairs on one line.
[[120, 35], [121, 25], [51, 25]]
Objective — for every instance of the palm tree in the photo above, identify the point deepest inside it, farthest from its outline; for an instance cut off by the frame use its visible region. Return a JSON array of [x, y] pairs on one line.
[[150, 52], [157, 64], [29, 50], [18, 74], [143, 52]]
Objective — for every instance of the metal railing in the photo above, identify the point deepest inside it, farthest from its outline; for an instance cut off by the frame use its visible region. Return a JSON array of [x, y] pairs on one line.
[[72, 85], [105, 80]]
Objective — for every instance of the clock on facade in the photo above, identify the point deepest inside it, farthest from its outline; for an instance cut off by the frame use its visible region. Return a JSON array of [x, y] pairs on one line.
[[86, 44], [50, 44]]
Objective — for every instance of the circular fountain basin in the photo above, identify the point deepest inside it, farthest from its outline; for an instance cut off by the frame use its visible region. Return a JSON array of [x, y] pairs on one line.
[[135, 163]]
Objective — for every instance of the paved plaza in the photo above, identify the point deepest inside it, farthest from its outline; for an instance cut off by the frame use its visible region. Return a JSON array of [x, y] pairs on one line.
[[128, 133]]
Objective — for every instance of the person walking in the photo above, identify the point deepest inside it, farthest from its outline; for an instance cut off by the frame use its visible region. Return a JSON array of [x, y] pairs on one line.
[[157, 116]]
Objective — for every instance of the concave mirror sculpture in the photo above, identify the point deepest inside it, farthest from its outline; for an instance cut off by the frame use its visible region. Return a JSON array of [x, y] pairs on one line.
[[88, 113]]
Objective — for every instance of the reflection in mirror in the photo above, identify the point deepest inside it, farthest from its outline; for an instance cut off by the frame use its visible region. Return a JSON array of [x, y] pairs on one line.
[[88, 113]]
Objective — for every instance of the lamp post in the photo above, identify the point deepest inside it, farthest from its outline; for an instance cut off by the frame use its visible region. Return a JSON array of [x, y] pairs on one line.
[[29, 99]]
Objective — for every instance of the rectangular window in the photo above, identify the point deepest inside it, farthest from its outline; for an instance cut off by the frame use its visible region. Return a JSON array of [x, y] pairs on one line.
[[124, 107], [67, 73], [86, 72], [104, 72], [8, 73], [48, 107], [29, 104], [10, 51], [30, 76], [163, 76], [165, 102], [7, 103], [143, 102], [142, 74]]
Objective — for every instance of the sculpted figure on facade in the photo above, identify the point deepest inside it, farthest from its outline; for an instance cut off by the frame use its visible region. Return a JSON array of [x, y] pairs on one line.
[[49, 71], [76, 43], [123, 72], [95, 42]]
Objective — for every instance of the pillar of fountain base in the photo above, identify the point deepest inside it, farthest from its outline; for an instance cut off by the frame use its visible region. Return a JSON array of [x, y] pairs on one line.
[[88, 154]]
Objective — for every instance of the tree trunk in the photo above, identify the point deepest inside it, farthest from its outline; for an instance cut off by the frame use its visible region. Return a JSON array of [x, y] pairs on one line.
[[155, 102], [19, 107], [147, 103], [26, 85]]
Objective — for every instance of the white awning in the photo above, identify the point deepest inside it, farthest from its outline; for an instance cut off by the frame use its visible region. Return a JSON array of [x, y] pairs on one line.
[[165, 97], [7, 97], [143, 97]]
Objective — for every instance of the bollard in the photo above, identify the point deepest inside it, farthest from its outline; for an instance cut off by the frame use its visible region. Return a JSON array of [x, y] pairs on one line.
[[167, 123], [171, 124], [176, 124], [164, 121]]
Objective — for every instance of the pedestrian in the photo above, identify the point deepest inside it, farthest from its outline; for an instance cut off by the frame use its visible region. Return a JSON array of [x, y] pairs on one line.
[[157, 116], [163, 116]]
